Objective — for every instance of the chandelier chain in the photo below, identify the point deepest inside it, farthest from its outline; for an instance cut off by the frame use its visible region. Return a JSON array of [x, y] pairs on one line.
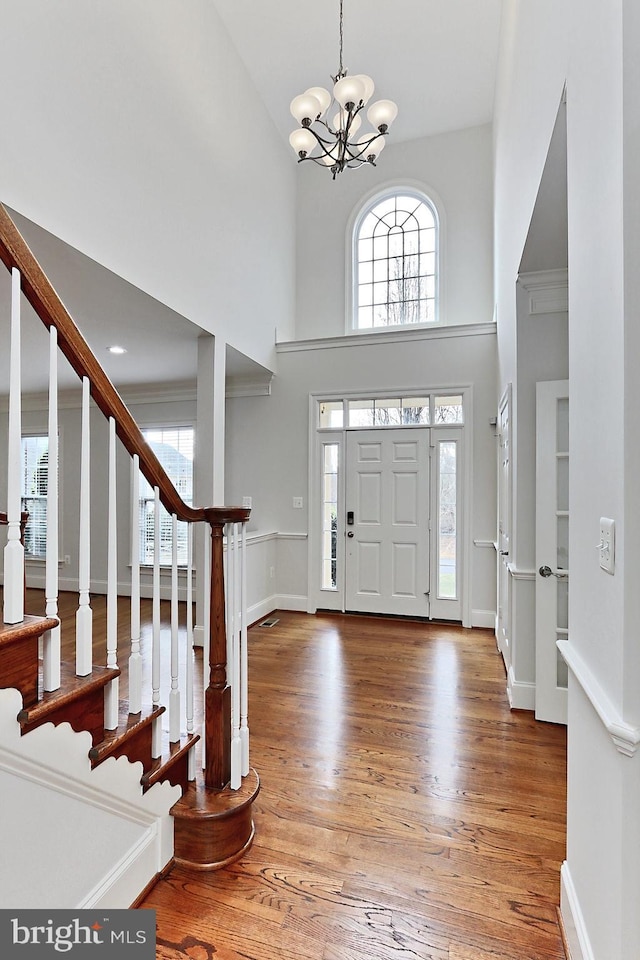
[[341, 70]]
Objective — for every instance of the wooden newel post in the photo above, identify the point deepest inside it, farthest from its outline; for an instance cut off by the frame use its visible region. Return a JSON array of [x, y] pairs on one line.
[[217, 703]]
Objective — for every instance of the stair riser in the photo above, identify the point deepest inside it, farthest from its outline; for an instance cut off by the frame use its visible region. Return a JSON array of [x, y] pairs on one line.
[[19, 668], [86, 713]]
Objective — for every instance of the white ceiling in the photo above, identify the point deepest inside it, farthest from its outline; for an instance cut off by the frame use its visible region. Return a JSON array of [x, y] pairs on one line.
[[161, 344], [436, 59]]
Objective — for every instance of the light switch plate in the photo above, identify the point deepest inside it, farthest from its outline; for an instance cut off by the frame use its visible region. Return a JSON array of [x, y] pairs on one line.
[[607, 545], [297, 503]]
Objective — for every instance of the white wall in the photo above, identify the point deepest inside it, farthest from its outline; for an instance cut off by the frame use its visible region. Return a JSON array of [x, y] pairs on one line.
[[592, 44], [456, 169], [268, 437], [135, 135]]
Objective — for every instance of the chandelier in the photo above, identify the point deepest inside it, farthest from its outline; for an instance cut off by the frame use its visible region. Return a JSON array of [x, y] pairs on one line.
[[332, 143]]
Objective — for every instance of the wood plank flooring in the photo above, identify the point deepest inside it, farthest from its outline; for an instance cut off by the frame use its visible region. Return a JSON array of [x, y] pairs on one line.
[[405, 810]]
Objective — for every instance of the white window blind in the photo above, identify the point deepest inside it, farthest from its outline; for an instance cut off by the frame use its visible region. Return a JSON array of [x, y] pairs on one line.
[[35, 476], [173, 447]]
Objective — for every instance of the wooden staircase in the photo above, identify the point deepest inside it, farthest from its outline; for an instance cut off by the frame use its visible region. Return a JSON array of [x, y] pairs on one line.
[[79, 701], [213, 822]]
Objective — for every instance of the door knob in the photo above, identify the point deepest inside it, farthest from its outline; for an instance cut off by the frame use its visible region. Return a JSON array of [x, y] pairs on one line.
[[546, 571], [350, 533]]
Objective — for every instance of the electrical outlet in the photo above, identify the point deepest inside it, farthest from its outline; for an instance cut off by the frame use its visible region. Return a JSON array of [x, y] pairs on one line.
[[247, 502], [607, 545]]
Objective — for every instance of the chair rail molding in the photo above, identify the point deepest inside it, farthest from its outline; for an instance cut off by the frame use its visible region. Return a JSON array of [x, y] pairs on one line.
[[625, 736]]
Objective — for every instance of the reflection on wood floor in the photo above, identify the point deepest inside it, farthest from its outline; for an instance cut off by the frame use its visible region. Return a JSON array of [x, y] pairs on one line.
[[405, 810]]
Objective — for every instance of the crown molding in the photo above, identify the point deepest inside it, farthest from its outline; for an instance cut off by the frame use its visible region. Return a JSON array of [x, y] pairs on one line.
[[548, 291]]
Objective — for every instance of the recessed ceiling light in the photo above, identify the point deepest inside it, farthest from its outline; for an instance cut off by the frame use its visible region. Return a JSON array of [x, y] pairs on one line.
[[116, 349]]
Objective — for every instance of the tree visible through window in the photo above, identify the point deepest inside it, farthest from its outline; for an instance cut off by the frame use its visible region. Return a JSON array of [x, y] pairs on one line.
[[396, 263], [173, 447]]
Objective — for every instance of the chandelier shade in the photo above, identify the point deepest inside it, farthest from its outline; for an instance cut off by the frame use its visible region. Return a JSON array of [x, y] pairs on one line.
[[332, 144]]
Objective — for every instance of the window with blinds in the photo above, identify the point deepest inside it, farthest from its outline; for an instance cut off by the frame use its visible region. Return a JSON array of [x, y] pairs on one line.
[[173, 447], [35, 476]]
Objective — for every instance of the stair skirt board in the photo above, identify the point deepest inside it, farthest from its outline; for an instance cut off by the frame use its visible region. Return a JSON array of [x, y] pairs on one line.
[[103, 839]]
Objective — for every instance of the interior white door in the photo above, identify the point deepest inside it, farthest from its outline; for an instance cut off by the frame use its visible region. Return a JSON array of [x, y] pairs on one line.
[[387, 521], [503, 628], [552, 547]]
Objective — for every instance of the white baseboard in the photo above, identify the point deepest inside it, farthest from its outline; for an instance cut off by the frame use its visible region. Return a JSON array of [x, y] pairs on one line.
[[483, 618], [522, 696], [258, 611], [128, 878], [290, 601], [572, 918]]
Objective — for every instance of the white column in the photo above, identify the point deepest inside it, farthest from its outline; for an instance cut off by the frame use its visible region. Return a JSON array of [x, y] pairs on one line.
[[51, 639], [84, 614], [14, 550], [112, 691], [135, 659]]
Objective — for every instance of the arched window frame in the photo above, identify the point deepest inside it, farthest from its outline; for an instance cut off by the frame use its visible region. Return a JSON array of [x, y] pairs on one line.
[[405, 188]]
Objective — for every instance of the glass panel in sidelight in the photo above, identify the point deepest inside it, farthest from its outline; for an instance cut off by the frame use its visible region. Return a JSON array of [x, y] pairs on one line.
[[330, 465], [447, 520]]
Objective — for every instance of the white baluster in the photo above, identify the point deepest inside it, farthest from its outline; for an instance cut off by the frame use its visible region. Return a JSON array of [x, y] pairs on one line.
[[156, 746], [112, 691], [13, 611], [189, 653], [206, 626], [51, 639], [84, 615], [244, 658], [236, 745], [174, 695], [135, 659]]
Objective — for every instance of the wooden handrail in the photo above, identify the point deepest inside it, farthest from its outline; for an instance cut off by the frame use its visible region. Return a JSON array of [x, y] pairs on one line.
[[15, 252]]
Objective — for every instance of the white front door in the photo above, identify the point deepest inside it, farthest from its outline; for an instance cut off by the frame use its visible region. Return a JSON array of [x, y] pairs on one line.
[[387, 521], [552, 547]]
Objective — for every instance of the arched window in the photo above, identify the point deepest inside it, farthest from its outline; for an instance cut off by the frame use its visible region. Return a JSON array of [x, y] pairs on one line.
[[395, 262]]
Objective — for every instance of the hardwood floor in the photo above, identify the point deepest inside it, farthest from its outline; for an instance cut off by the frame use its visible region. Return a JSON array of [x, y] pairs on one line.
[[405, 810]]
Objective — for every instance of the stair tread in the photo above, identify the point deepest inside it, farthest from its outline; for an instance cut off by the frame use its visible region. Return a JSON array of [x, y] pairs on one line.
[[29, 627], [172, 754], [71, 687], [129, 724]]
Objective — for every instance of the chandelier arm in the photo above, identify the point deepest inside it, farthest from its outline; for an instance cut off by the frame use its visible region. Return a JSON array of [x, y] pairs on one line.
[[322, 143]]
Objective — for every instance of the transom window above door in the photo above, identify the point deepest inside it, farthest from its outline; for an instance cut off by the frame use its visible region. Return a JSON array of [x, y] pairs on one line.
[[435, 409], [395, 263]]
